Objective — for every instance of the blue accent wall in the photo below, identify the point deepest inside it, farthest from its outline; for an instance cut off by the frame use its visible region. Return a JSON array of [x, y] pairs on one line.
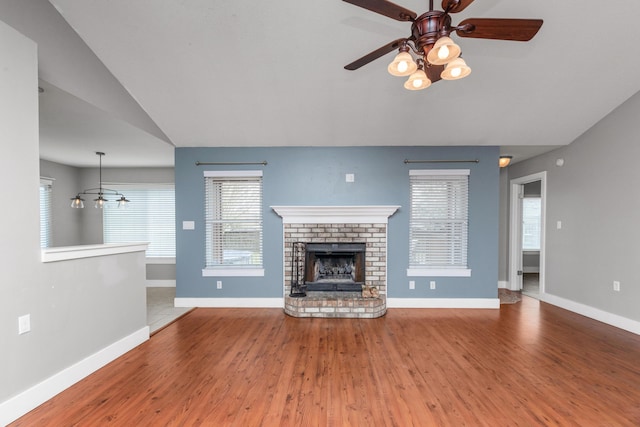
[[316, 176]]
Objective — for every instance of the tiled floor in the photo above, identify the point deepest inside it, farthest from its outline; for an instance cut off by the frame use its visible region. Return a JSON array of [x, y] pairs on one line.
[[531, 285], [160, 309]]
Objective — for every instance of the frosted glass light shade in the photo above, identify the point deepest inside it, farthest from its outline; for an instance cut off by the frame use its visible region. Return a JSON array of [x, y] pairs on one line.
[[444, 51], [504, 161], [402, 65], [456, 69], [418, 81]]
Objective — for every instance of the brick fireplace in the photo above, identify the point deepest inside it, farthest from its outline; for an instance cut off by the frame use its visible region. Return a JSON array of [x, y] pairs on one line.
[[317, 225]]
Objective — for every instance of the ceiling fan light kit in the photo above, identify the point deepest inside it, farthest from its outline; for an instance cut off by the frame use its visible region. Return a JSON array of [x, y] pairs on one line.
[[438, 56]]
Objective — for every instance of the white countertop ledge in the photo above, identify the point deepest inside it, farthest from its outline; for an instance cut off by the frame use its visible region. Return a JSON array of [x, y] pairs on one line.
[[64, 253]]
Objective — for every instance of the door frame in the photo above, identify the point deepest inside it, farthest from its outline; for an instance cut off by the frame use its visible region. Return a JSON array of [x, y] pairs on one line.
[[515, 228]]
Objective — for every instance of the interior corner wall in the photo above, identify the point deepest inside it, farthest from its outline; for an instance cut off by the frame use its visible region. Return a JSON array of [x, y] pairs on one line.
[[65, 222], [503, 235], [594, 197], [315, 176]]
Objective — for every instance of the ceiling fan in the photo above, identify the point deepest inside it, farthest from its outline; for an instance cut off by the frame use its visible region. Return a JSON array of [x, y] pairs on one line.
[[438, 55]]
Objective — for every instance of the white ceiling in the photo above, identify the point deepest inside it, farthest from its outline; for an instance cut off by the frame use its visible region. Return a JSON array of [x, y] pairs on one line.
[[256, 73]]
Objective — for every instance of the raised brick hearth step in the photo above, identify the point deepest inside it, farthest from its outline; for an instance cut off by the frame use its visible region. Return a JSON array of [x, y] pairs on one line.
[[335, 304]]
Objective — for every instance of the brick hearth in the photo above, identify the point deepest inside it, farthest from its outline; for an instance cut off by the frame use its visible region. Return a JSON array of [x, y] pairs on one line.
[[339, 224]]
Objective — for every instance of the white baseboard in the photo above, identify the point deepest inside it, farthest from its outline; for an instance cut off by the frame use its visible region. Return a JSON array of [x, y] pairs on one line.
[[593, 313], [443, 303], [17, 406], [230, 302], [160, 283], [503, 284]]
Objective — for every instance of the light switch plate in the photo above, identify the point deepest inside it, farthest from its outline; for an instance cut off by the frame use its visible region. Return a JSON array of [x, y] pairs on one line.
[[24, 324], [350, 177]]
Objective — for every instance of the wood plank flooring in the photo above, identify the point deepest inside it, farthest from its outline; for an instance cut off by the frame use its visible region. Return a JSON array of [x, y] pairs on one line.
[[523, 365]]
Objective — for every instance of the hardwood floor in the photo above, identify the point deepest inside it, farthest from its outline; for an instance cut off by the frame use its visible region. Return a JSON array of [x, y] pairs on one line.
[[526, 364]]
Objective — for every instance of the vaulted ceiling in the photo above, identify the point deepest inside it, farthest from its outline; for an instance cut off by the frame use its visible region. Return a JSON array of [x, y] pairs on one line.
[[256, 73]]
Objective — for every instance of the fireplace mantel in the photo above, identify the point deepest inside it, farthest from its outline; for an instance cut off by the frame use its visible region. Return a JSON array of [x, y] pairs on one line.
[[335, 214]]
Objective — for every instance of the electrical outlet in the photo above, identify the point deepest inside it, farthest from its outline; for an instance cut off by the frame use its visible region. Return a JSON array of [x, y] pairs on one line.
[[349, 177], [432, 284], [412, 284], [219, 284], [616, 286], [24, 324]]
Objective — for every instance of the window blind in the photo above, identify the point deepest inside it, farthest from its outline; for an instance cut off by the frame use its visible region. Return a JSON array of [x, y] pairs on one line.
[[149, 217], [233, 216], [439, 219], [45, 212]]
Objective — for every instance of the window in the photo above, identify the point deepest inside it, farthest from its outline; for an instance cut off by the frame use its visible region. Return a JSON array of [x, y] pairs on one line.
[[150, 217], [531, 209], [233, 223], [438, 226], [45, 212]]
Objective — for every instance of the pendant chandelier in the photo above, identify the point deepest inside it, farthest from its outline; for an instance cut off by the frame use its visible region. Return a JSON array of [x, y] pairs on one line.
[[99, 202]]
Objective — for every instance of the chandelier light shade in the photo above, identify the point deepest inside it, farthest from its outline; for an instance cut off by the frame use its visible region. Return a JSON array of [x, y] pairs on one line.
[[77, 202], [455, 70], [100, 201], [444, 51], [402, 65], [504, 161], [123, 202]]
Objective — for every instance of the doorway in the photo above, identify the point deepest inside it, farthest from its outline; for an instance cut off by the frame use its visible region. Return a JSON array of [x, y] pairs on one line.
[[526, 234]]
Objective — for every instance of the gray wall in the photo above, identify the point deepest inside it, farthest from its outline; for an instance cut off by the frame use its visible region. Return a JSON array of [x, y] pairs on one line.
[[21, 358], [76, 308], [503, 241], [66, 227], [594, 195]]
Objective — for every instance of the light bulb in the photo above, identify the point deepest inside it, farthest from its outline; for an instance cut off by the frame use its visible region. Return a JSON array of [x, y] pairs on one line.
[[443, 52], [403, 66], [417, 83], [456, 72]]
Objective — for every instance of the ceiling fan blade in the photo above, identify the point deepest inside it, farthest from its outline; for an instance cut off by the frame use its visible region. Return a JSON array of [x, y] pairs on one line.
[[386, 8], [499, 29], [433, 72], [374, 55], [455, 6]]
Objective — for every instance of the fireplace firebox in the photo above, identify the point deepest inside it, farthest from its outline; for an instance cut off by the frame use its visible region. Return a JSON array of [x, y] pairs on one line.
[[335, 266]]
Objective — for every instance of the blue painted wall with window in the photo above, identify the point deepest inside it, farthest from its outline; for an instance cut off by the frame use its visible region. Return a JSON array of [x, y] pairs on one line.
[[316, 176]]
